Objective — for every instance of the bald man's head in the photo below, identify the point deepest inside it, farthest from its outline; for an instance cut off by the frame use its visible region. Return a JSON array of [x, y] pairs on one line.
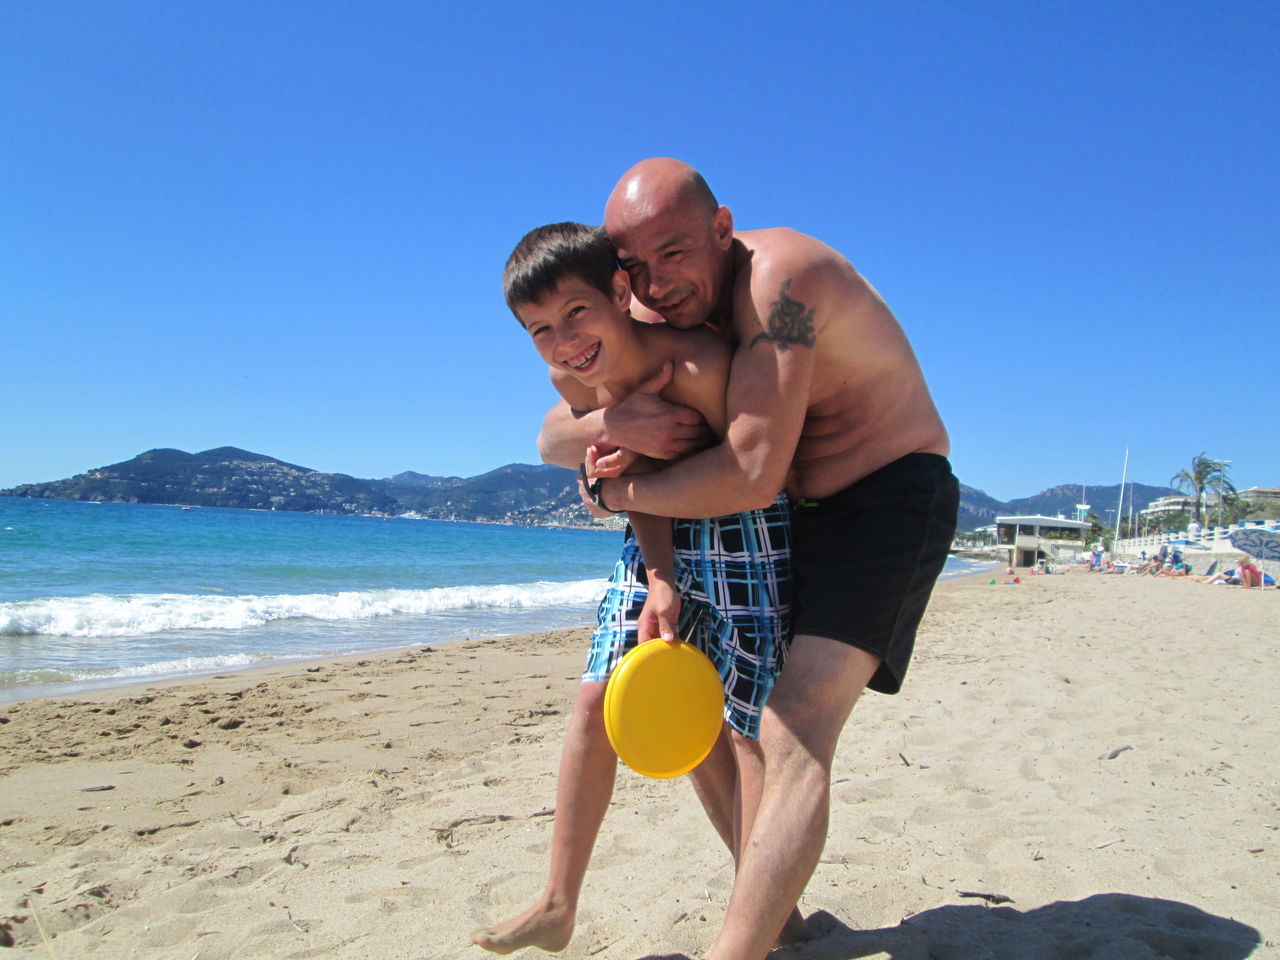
[[673, 239], [658, 185]]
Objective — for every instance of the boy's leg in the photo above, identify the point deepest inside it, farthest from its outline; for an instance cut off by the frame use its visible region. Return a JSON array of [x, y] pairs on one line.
[[588, 766], [750, 765], [715, 783]]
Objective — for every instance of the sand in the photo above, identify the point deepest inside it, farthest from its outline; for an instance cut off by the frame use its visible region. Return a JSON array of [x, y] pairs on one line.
[[1081, 766]]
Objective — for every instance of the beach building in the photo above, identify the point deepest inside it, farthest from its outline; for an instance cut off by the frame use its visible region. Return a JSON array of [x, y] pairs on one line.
[[1164, 506], [1025, 542], [1179, 503], [1265, 495]]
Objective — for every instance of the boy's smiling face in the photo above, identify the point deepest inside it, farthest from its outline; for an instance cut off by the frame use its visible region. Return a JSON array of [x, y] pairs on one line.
[[579, 329]]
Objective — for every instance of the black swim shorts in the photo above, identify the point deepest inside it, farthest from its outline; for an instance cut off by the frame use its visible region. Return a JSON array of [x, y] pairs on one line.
[[866, 559]]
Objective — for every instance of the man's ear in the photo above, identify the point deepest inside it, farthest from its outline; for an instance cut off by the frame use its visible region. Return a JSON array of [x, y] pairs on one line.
[[621, 290], [722, 224]]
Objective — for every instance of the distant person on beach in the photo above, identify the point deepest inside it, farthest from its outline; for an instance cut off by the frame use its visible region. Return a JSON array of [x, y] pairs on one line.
[[723, 583], [1247, 573], [1228, 577], [827, 401]]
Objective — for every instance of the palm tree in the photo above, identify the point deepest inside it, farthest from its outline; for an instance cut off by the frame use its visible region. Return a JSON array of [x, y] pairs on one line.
[[1205, 474]]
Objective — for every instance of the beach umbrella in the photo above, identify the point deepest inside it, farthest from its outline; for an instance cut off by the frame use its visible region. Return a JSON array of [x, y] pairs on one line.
[[1262, 544]]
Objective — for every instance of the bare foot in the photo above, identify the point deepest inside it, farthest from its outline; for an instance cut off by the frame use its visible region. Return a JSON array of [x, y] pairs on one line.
[[795, 930], [547, 926]]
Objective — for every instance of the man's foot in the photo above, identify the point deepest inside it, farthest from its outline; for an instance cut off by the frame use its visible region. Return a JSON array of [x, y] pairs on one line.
[[546, 926], [795, 930]]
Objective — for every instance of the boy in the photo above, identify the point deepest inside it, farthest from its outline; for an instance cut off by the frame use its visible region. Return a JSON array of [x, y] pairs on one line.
[[725, 582]]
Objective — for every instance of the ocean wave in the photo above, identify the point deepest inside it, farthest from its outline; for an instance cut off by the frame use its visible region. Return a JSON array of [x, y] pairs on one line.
[[135, 615], [963, 566], [143, 671]]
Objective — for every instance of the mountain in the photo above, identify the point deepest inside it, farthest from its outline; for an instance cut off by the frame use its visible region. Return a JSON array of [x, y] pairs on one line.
[[231, 477], [516, 493], [222, 477], [978, 509], [1063, 499], [411, 479]]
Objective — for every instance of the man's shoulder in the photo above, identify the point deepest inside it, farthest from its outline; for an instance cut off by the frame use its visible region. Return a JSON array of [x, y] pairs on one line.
[[781, 262], [770, 256], [781, 246]]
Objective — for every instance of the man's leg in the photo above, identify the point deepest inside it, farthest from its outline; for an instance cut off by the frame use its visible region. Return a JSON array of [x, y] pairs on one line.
[[588, 766], [801, 726], [750, 763]]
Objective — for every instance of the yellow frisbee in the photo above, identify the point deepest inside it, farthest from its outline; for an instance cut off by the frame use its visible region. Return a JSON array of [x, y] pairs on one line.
[[663, 708]]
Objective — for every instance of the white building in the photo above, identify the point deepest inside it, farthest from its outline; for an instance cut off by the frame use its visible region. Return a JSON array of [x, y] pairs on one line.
[[1023, 539]]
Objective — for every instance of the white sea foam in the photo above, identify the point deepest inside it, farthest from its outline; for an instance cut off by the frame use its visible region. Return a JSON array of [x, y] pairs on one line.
[[142, 614], [140, 671], [963, 566]]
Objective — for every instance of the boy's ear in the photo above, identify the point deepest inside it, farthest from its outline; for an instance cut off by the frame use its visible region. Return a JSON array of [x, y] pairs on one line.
[[722, 224], [622, 289]]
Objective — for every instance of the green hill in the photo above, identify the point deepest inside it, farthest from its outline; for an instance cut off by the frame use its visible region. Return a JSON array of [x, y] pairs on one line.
[[231, 477], [516, 493]]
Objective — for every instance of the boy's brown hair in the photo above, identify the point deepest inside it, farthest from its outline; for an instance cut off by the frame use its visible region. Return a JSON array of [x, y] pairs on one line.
[[546, 255]]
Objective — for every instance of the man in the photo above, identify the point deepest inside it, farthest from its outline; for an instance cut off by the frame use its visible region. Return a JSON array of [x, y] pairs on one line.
[[826, 399]]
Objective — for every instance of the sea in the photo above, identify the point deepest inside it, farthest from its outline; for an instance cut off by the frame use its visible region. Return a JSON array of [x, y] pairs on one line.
[[95, 595]]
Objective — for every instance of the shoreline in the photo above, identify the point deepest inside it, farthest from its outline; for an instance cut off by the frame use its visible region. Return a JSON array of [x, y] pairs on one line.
[[104, 686], [1040, 787]]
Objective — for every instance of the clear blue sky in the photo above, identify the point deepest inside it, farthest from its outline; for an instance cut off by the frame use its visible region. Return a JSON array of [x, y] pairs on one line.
[[280, 226]]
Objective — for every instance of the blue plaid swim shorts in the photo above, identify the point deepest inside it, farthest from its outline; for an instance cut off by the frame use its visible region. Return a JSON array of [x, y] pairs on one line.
[[734, 578]]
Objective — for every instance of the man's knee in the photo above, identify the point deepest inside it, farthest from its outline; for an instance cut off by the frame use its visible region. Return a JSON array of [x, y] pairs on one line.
[[808, 707]]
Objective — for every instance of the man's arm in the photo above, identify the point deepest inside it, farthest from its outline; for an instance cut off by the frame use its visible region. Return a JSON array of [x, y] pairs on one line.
[[642, 422], [769, 387]]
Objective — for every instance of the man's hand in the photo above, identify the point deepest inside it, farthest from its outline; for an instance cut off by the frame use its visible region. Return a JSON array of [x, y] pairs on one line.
[[661, 612], [646, 424]]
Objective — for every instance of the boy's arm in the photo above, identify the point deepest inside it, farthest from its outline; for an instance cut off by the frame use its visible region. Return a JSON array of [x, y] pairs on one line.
[[661, 610], [642, 422]]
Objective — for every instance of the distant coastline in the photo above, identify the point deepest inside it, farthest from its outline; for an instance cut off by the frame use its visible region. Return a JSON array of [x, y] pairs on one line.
[[518, 493]]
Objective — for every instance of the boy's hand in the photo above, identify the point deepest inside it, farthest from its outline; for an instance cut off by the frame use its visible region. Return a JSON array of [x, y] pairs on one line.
[[586, 474], [609, 461], [613, 464], [651, 426], [661, 612]]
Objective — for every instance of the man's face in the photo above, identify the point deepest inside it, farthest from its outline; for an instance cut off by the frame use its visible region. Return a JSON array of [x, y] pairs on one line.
[[676, 258], [579, 329]]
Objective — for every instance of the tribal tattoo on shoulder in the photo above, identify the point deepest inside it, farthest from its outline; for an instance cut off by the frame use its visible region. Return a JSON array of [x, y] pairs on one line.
[[788, 325]]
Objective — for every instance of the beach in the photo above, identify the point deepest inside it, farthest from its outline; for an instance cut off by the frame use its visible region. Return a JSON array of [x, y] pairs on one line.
[[1079, 766]]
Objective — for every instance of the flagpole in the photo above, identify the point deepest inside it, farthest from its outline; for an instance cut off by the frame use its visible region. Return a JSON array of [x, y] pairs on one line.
[[1120, 506]]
